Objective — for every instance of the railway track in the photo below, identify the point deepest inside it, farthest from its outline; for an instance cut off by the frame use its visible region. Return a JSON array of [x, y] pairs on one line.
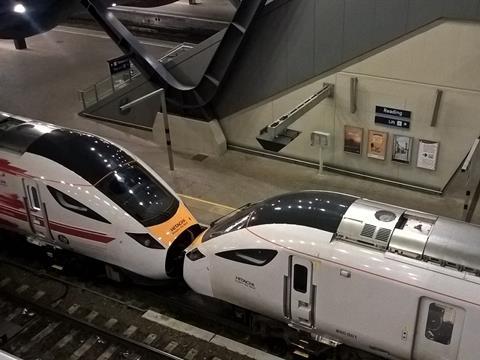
[[170, 301], [28, 293], [34, 328]]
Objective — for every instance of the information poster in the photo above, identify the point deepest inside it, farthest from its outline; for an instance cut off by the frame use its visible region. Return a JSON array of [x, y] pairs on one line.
[[353, 138], [427, 154], [377, 144], [402, 149]]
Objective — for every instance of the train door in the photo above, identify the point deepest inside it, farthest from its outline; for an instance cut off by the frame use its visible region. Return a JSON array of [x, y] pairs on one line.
[[301, 292], [36, 211], [438, 331]]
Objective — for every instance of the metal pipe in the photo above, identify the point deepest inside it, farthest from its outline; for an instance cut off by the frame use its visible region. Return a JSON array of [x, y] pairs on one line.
[[332, 168], [468, 160], [473, 204], [141, 99], [167, 132], [436, 109], [163, 109], [82, 96], [113, 85], [353, 94]]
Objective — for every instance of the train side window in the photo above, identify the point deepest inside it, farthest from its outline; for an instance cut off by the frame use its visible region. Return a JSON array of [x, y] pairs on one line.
[[255, 257], [300, 277], [34, 199], [75, 206], [440, 323]]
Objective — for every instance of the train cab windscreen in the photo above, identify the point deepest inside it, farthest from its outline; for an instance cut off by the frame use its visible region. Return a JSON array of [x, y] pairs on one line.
[[139, 194], [317, 209], [236, 220]]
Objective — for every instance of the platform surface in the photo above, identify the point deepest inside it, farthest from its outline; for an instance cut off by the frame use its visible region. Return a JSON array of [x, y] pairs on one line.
[[42, 83], [221, 10]]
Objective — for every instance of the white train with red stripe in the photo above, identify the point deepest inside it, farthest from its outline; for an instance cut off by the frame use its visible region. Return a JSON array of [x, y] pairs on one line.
[[395, 282], [75, 191]]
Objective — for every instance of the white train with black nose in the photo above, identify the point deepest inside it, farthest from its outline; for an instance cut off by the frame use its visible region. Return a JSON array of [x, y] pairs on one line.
[[395, 282], [75, 191]]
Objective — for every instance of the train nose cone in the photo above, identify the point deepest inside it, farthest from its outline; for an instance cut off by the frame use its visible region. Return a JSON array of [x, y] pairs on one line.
[[196, 272]]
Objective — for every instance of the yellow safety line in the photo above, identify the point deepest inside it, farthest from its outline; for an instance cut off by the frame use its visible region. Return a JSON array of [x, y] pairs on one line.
[[205, 201]]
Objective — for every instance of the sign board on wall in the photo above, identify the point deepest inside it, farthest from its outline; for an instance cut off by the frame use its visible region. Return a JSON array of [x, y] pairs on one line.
[[427, 154], [392, 117], [377, 144], [352, 139], [402, 148], [119, 64]]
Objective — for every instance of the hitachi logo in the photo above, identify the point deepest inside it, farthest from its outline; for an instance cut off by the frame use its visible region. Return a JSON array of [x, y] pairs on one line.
[[244, 282], [178, 225]]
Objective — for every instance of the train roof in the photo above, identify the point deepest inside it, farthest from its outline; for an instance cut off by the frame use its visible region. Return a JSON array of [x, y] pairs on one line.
[[316, 209], [17, 134], [409, 233], [85, 154], [413, 234]]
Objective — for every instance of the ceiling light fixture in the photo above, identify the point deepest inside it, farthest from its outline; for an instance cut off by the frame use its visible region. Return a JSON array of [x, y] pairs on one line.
[[19, 9]]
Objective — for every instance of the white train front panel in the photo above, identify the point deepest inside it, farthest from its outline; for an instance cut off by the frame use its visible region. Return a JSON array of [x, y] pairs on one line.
[[370, 275], [78, 192]]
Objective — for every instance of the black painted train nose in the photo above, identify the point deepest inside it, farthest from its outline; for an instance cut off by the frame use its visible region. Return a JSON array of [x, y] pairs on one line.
[[176, 251]]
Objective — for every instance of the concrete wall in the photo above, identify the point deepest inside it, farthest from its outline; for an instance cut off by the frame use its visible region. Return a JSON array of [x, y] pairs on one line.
[[296, 40], [405, 76]]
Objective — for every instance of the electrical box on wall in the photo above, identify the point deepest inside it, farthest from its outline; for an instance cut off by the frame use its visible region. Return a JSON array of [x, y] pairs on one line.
[[319, 137]]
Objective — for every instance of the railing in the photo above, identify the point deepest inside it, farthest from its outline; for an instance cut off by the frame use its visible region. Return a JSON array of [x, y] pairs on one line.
[[177, 50], [106, 87]]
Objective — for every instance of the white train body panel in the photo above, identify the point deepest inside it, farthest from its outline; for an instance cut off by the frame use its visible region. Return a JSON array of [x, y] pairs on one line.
[[367, 293], [43, 197]]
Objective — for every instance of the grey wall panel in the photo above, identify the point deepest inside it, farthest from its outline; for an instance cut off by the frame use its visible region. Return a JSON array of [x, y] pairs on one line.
[[301, 41], [422, 12], [191, 70], [142, 115], [275, 58], [460, 9], [328, 33], [359, 27], [390, 20], [295, 40], [262, 70], [189, 67]]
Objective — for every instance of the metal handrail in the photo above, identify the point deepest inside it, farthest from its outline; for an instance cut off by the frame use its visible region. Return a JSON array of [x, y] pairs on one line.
[[108, 86], [176, 51]]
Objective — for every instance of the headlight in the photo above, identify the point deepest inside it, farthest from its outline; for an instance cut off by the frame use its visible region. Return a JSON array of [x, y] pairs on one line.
[[195, 255], [146, 240]]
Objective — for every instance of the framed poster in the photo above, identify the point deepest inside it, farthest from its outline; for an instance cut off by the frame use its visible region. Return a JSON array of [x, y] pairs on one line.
[[377, 144], [402, 148], [353, 139], [427, 154]]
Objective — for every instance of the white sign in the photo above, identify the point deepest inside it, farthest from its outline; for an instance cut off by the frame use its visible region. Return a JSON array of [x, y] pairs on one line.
[[427, 154]]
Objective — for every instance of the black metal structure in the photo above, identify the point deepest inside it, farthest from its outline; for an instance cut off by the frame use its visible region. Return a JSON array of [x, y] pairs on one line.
[[193, 100]]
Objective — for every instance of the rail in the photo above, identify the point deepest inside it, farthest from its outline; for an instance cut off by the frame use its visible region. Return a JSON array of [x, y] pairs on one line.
[[49, 312], [332, 168], [173, 300], [192, 99], [472, 184], [110, 85]]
